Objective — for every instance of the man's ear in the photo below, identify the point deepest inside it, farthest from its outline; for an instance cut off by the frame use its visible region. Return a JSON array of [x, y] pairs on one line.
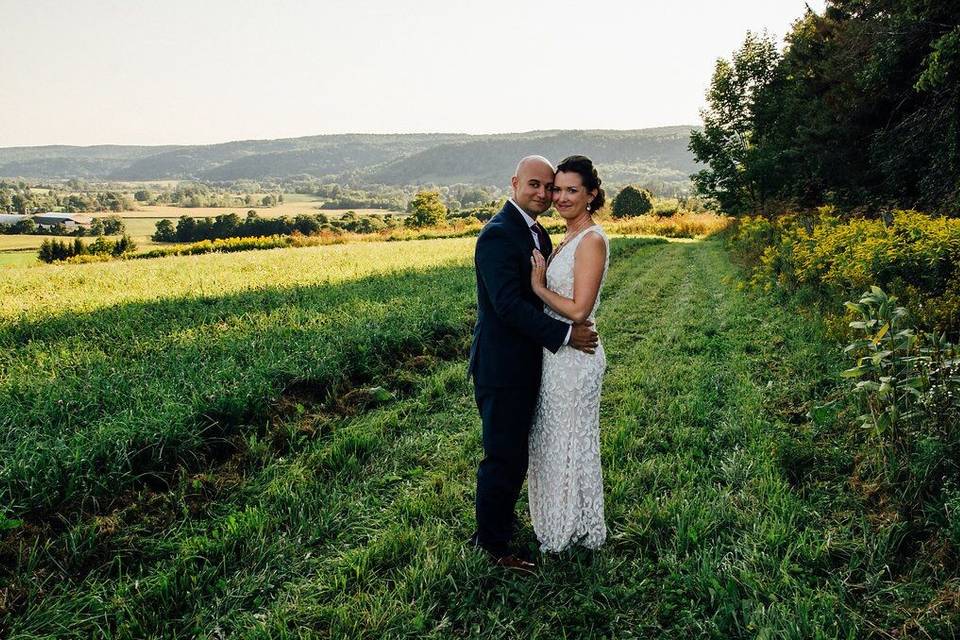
[[514, 182]]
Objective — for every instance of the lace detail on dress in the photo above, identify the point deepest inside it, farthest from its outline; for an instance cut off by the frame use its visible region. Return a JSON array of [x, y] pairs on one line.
[[564, 479]]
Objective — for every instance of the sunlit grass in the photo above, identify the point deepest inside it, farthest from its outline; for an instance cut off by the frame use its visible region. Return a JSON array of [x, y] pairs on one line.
[[60, 288], [338, 519]]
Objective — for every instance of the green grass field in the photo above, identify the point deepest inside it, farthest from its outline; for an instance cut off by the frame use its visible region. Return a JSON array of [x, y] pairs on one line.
[[283, 444], [18, 258]]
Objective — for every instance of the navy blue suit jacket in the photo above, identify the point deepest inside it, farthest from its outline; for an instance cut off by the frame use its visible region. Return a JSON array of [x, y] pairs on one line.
[[511, 326]]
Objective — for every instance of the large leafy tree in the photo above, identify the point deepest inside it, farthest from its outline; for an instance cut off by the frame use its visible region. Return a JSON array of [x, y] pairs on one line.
[[862, 126], [426, 210], [632, 201], [737, 174], [862, 110]]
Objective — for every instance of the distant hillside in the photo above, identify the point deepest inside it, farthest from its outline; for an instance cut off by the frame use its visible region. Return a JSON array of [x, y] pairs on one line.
[[62, 161], [631, 155], [626, 156]]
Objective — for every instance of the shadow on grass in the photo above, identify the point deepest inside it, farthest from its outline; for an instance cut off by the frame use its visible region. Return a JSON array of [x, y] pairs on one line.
[[94, 402]]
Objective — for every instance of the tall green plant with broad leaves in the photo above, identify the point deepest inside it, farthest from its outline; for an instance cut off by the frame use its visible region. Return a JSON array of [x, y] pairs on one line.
[[909, 383], [887, 373]]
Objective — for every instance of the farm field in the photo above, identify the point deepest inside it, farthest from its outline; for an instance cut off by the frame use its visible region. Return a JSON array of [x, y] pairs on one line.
[[286, 208], [273, 443], [18, 258], [20, 250], [142, 223]]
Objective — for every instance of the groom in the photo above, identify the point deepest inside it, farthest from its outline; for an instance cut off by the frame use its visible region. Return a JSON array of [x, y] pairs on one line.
[[506, 357]]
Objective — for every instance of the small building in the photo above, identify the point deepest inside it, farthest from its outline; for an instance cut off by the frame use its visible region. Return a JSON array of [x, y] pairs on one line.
[[69, 220], [11, 218]]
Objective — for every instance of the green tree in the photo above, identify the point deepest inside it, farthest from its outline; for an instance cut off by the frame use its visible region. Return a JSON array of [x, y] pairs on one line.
[[20, 203], [113, 225], [861, 112], [735, 175], [226, 226], [124, 245], [186, 229], [307, 225], [426, 210], [632, 201], [61, 251], [46, 251], [25, 226], [142, 195], [101, 246], [165, 232]]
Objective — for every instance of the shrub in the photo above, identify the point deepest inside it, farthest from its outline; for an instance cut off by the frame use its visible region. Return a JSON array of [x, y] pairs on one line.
[[915, 258], [632, 201], [666, 208], [909, 386]]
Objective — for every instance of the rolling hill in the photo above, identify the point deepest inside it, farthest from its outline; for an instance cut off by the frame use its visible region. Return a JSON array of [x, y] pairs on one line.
[[658, 154]]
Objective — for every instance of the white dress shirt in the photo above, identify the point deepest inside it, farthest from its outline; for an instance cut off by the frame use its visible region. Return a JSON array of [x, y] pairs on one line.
[[530, 222], [536, 242]]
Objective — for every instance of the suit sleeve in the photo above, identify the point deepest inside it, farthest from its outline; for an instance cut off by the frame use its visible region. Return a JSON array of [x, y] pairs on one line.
[[503, 279]]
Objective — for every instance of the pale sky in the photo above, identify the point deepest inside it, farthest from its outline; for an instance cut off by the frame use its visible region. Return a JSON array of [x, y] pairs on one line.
[[193, 72]]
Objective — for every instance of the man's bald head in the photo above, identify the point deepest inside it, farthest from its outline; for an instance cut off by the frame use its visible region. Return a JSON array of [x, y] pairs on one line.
[[533, 185], [531, 160]]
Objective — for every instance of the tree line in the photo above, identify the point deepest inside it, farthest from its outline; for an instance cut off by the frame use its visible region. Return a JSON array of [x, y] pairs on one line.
[[106, 226], [56, 250], [198, 194], [861, 110], [425, 209], [18, 198]]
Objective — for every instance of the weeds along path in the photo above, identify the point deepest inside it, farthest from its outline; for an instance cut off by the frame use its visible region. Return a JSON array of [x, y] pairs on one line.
[[357, 527]]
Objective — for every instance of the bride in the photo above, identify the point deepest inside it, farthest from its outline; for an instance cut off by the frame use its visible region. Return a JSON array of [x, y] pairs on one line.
[[563, 478]]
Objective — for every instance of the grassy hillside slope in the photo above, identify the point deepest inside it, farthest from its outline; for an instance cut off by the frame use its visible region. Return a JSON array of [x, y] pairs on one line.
[[341, 511]]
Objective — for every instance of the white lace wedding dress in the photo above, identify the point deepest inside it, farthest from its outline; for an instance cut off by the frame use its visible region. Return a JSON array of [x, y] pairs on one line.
[[564, 480]]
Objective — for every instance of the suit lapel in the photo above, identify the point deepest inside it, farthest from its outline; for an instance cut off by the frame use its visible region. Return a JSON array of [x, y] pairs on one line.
[[513, 214]]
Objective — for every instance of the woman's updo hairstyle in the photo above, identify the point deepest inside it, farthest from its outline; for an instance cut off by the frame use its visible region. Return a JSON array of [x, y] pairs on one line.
[[583, 166]]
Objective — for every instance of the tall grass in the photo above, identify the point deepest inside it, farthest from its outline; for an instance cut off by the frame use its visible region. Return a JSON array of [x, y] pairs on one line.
[[730, 505], [829, 260], [680, 225], [136, 380]]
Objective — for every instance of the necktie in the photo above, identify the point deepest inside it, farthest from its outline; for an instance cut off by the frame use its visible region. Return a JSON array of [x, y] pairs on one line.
[[541, 236]]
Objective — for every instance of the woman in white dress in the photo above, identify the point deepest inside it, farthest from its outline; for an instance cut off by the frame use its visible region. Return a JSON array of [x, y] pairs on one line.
[[564, 479]]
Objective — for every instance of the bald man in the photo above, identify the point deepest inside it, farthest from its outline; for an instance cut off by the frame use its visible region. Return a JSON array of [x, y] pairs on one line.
[[506, 356]]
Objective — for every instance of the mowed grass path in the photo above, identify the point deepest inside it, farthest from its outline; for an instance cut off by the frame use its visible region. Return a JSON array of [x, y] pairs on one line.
[[353, 523]]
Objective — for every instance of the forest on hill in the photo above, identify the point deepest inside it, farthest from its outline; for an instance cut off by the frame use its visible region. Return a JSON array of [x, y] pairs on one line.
[[657, 155]]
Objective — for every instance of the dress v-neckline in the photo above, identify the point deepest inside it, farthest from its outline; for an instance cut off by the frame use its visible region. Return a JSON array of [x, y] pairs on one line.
[[564, 245]]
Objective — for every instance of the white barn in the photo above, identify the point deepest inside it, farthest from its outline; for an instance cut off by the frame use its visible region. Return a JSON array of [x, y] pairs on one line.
[[69, 220]]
